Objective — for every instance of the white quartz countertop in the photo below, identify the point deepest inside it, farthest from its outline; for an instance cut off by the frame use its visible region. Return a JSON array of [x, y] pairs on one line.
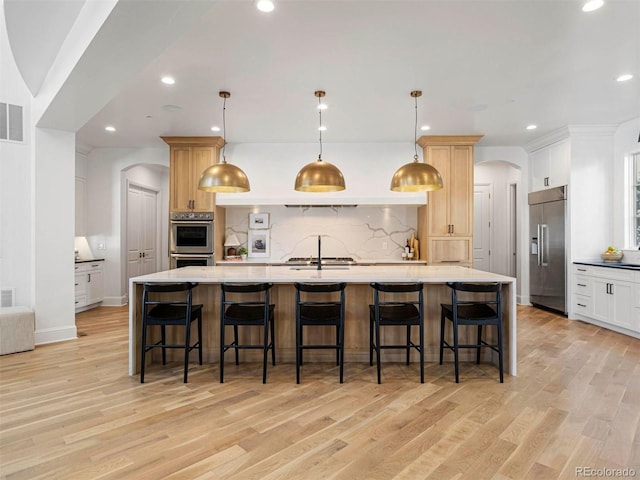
[[352, 274]]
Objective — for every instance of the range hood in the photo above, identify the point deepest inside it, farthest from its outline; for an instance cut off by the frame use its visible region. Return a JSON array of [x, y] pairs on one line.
[[304, 207]]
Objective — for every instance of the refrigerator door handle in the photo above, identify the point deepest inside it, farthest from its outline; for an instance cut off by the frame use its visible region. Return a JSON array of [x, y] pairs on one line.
[[543, 244], [539, 247]]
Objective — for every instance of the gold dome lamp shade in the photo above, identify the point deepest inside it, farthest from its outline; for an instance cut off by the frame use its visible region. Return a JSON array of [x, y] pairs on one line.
[[320, 176], [224, 177], [416, 176]]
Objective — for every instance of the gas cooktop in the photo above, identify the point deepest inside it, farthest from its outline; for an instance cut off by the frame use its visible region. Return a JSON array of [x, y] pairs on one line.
[[325, 260]]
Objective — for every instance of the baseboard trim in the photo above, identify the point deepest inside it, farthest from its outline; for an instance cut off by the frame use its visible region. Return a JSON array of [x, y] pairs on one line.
[[54, 335], [114, 301]]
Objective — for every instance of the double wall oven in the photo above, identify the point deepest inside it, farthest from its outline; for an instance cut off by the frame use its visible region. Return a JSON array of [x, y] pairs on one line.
[[191, 239]]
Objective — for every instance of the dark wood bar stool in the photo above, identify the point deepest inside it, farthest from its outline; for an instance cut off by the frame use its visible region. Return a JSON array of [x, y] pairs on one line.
[[316, 313], [476, 313], [178, 311], [392, 312], [236, 312]]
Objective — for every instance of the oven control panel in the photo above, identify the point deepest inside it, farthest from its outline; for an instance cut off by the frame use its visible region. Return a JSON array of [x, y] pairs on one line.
[[182, 216]]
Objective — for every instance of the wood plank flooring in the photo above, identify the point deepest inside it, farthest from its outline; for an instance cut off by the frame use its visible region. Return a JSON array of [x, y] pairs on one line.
[[70, 411]]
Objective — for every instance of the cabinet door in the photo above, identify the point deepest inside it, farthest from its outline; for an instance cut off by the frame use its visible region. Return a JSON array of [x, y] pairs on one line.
[[80, 289], [450, 250], [559, 163], [201, 158], [623, 304], [181, 188], [461, 191], [81, 202], [95, 286], [539, 161], [601, 299], [438, 201]]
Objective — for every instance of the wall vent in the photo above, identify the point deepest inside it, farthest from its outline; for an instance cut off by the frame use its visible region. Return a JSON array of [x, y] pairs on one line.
[[11, 122], [7, 297]]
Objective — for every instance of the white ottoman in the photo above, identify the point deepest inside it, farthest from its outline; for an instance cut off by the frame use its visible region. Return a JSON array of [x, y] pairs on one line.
[[17, 325]]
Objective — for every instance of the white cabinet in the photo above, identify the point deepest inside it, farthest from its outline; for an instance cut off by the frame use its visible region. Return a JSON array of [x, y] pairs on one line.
[[81, 209], [89, 284], [550, 166], [608, 295]]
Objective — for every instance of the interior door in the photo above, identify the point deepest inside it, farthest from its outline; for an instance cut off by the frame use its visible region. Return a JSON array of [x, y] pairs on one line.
[[141, 231], [482, 227]]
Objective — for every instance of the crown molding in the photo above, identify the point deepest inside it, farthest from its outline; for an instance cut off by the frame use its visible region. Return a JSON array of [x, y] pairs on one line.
[[547, 139]]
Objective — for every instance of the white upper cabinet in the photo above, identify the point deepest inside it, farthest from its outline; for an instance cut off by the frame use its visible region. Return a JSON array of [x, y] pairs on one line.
[[550, 166], [81, 210]]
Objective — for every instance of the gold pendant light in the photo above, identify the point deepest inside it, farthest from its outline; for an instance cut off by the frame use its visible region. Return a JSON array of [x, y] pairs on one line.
[[416, 176], [319, 176], [224, 177]]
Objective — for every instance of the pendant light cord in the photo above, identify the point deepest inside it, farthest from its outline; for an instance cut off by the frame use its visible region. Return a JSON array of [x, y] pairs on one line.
[[415, 132], [320, 127], [224, 128]]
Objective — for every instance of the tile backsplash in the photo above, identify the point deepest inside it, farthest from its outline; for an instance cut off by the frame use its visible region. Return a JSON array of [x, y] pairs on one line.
[[365, 233]]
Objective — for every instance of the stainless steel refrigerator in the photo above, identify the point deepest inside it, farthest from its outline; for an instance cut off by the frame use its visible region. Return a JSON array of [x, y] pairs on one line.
[[547, 262]]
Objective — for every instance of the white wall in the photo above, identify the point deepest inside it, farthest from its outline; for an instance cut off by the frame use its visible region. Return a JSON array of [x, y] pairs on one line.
[[15, 184], [591, 192], [108, 170], [53, 226]]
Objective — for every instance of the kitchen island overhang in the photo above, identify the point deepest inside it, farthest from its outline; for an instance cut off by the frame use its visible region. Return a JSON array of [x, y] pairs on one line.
[[359, 297]]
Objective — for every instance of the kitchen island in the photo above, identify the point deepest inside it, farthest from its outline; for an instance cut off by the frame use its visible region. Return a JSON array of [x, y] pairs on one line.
[[358, 297]]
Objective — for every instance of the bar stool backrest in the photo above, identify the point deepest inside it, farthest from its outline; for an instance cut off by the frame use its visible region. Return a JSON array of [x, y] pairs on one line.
[[495, 288]]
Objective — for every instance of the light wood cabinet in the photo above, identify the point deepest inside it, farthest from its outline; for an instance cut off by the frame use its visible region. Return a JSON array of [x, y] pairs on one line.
[[445, 224], [189, 157]]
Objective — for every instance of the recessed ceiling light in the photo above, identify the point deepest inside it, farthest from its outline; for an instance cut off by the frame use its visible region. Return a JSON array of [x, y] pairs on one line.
[[265, 5], [322, 128], [171, 108], [167, 80], [215, 129], [624, 78], [531, 127], [110, 128], [424, 128], [592, 5], [322, 106]]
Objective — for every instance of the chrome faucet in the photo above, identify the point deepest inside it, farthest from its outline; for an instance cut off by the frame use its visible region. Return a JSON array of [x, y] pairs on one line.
[[319, 252]]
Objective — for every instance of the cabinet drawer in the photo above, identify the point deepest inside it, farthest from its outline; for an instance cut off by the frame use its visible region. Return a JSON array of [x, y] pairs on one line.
[[583, 305], [81, 300], [582, 285], [582, 269]]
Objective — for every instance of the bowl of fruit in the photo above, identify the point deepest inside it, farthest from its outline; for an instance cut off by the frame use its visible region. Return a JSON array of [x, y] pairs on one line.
[[611, 254]]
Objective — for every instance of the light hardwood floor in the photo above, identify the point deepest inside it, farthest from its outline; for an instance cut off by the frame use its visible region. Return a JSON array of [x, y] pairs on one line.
[[69, 411]]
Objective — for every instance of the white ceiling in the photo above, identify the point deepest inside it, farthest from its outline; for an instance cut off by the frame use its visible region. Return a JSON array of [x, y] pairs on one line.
[[485, 67]]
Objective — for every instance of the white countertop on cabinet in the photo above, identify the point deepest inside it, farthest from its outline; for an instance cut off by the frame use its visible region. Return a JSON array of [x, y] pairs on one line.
[[330, 273]]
